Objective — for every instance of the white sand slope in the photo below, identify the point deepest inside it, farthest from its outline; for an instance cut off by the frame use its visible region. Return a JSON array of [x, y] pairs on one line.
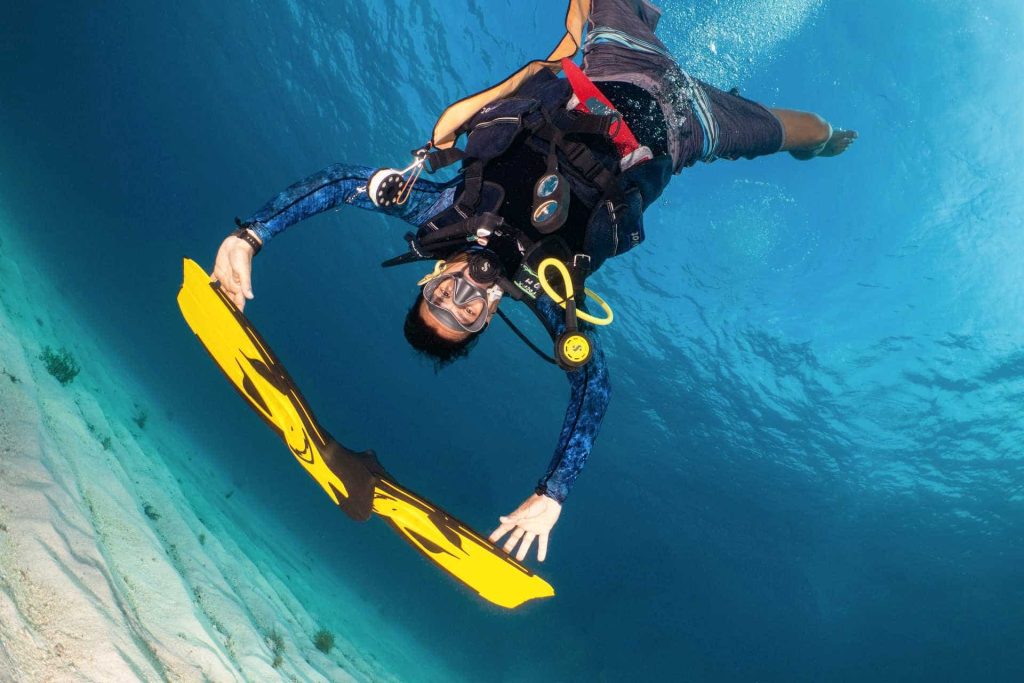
[[110, 568]]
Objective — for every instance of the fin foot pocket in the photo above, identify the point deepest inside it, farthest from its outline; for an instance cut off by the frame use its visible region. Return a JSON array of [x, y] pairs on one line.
[[360, 472]]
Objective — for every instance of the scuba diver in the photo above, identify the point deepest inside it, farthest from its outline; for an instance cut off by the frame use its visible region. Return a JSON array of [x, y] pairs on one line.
[[555, 176]]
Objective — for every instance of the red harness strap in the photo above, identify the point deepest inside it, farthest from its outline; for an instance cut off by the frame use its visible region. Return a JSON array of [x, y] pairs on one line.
[[593, 101]]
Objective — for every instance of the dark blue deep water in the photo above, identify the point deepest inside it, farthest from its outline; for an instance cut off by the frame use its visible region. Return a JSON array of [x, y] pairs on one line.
[[812, 466]]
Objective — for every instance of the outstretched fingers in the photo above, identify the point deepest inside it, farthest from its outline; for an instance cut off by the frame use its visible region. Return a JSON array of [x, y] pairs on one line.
[[506, 526], [531, 521], [524, 547], [519, 536], [510, 544]]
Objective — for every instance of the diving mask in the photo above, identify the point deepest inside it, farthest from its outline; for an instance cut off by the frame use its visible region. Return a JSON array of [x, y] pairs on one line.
[[459, 304]]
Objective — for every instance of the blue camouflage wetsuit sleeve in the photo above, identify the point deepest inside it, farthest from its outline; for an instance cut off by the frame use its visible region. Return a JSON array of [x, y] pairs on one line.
[[345, 185], [590, 391]]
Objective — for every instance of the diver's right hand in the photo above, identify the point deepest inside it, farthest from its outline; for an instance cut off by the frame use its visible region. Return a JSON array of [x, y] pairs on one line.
[[233, 269]]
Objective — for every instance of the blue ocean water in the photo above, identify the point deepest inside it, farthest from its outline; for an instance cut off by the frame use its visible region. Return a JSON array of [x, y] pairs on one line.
[[811, 468]]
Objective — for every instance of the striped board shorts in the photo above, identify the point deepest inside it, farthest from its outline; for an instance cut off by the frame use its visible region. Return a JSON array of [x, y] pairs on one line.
[[703, 122]]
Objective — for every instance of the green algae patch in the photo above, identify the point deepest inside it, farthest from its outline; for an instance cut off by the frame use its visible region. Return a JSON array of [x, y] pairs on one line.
[[324, 641], [61, 364]]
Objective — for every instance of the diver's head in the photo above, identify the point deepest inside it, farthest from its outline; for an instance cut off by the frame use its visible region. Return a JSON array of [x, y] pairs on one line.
[[455, 305]]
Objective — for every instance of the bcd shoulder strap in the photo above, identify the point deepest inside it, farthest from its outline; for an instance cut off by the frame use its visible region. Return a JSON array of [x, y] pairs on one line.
[[449, 124]]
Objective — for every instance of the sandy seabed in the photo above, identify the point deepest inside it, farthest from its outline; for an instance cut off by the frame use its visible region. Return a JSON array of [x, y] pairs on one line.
[[117, 562]]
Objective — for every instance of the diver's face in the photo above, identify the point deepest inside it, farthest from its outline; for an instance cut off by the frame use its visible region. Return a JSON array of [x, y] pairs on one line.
[[448, 319]]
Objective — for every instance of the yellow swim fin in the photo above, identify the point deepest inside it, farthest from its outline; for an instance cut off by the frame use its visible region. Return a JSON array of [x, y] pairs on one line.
[[356, 482]]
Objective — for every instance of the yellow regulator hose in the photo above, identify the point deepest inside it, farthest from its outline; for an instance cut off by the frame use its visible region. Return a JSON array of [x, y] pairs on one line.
[[560, 300]]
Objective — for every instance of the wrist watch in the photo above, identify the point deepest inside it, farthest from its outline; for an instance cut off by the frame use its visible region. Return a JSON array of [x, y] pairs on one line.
[[242, 233]]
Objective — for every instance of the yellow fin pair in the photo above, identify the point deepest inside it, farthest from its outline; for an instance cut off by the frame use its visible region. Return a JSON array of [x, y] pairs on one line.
[[354, 481]]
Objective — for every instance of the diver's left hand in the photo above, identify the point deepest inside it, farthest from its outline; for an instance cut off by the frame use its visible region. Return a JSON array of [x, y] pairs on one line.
[[531, 520]]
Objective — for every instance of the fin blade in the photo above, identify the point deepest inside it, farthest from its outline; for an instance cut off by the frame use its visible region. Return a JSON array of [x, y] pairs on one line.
[[495, 575], [251, 367]]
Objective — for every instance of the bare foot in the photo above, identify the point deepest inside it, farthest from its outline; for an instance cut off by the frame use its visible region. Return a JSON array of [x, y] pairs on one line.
[[834, 146], [837, 144]]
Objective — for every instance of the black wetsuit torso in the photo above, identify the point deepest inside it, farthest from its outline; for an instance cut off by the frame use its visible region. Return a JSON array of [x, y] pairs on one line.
[[518, 169]]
